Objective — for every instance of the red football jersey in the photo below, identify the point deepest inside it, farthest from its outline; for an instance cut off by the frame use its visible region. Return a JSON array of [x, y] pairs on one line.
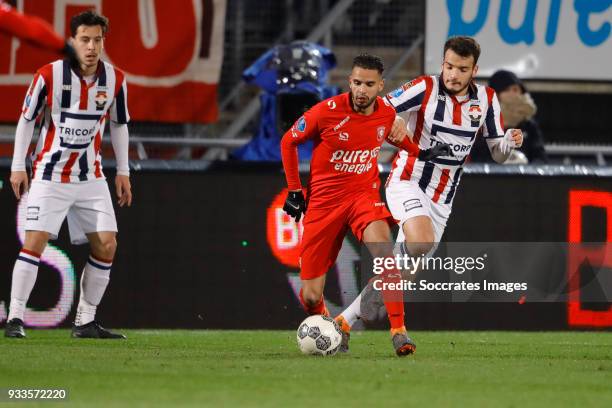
[[346, 147]]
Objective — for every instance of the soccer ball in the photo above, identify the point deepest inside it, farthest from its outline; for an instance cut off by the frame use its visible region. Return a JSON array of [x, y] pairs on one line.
[[319, 335]]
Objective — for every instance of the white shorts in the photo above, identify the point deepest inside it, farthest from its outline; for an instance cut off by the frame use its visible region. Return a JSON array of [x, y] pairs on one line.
[[406, 200], [88, 207]]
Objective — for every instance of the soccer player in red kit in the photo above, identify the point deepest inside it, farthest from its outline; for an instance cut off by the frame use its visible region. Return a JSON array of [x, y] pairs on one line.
[[32, 29], [343, 191]]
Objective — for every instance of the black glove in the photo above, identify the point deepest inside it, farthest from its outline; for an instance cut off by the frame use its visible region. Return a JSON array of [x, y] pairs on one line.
[[441, 149], [295, 205]]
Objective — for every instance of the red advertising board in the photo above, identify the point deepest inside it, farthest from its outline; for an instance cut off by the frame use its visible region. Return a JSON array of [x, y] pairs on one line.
[[171, 53]]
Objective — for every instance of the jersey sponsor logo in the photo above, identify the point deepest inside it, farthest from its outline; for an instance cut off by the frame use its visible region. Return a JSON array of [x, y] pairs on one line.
[[408, 85], [331, 104], [354, 161], [301, 124], [474, 112], [76, 138], [344, 136], [354, 156], [380, 133], [456, 148], [342, 123], [76, 132], [100, 99]]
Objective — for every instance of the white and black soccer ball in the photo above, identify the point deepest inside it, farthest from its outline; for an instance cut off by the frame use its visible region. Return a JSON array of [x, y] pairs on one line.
[[319, 335]]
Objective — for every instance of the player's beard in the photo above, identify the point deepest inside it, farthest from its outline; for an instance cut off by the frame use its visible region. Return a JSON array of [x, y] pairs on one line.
[[455, 92], [361, 106]]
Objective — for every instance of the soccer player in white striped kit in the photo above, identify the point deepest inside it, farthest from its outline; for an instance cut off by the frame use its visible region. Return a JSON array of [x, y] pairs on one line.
[[450, 108], [73, 99]]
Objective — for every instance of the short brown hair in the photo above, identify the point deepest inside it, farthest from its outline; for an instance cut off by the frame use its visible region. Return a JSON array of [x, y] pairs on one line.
[[463, 46], [88, 18]]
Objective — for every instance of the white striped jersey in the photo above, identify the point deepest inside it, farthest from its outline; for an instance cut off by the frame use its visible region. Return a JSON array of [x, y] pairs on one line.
[[433, 116], [73, 117]]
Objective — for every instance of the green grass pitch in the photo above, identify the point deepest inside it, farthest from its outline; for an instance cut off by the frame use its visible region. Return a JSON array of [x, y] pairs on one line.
[[265, 368]]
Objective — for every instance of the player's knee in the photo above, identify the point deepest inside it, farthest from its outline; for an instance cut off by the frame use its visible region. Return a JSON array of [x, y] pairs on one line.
[[420, 239], [106, 249], [420, 248], [36, 241]]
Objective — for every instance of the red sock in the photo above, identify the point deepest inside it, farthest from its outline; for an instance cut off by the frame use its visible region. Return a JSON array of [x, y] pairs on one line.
[[318, 309], [394, 300], [395, 312]]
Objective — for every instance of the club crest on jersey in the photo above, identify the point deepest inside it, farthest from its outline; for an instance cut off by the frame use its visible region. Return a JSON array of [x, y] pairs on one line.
[[100, 100], [300, 126], [380, 133], [344, 136], [475, 113], [331, 104]]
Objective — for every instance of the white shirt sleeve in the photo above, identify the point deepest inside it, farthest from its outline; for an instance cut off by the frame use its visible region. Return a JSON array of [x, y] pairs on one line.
[[119, 108], [493, 126], [410, 96], [499, 152], [35, 99], [121, 146], [23, 138]]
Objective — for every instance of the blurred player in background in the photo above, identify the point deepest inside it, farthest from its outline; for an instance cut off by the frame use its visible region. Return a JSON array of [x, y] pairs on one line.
[[450, 109], [518, 110], [33, 30], [343, 192], [73, 98]]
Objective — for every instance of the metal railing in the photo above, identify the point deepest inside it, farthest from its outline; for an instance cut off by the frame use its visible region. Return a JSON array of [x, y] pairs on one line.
[[602, 154]]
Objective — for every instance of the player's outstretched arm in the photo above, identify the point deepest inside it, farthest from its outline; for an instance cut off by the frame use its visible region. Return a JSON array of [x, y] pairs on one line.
[[306, 127], [32, 29], [120, 140], [501, 147], [295, 204], [500, 144], [399, 131]]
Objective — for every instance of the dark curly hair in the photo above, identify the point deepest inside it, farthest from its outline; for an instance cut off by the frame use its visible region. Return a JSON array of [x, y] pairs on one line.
[[367, 61], [88, 18], [463, 46]]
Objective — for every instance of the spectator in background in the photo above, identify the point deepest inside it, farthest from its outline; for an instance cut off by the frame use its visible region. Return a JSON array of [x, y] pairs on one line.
[[518, 110]]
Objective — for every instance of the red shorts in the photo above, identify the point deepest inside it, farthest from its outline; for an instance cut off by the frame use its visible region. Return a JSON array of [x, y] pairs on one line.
[[325, 228]]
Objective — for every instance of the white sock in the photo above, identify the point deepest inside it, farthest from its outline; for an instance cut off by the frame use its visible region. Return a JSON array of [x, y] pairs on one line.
[[24, 277], [94, 281], [352, 313]]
